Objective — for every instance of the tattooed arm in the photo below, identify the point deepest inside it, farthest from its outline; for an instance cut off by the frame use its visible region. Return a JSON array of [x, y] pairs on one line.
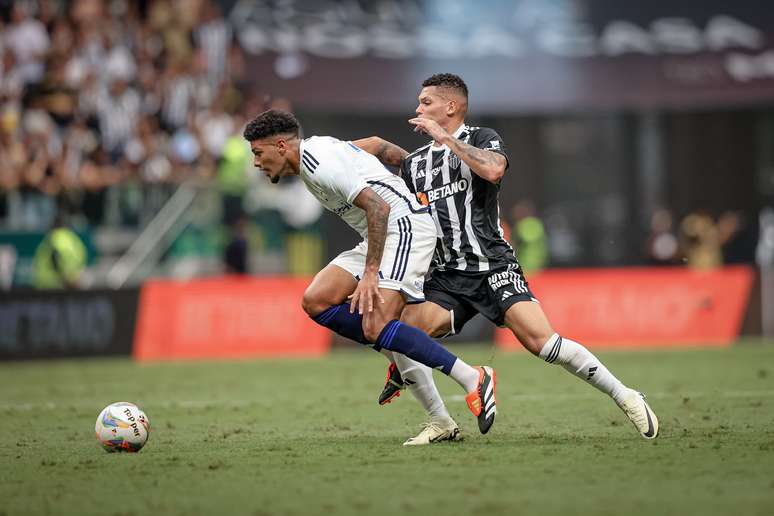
[[388, 153], [485, 164], [377, 215]]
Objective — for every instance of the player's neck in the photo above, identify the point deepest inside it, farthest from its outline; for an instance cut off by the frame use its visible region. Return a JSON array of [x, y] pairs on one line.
[[452, 128], [294, 160]]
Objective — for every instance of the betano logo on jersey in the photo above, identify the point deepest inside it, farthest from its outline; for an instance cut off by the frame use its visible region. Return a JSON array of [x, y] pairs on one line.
[[446, 190]]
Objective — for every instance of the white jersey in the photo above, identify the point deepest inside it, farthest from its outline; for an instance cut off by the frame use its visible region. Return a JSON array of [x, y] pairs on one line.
[[336, 172]]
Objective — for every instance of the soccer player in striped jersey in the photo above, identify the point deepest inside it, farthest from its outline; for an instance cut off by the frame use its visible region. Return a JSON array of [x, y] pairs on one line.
[[459, 174], [362, 292]]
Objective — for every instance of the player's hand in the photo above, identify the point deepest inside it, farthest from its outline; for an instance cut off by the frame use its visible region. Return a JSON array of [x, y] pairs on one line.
[[365, 293], [430, 128]]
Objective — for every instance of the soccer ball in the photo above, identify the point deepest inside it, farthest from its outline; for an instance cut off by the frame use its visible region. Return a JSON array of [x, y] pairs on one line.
[[122, 427]]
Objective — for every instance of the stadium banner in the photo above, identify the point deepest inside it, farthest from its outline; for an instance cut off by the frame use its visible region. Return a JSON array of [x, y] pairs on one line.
[[61, 323], [642, 307], [517, 56], [227, 317]]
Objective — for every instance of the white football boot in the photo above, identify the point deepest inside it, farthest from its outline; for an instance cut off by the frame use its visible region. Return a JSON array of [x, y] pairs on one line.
[[640, 414], [436, 431]]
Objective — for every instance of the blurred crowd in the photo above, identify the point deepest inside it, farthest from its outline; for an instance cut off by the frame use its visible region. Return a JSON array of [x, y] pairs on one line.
[[702, 241], [133, 95], [105, 106], [698, 240]]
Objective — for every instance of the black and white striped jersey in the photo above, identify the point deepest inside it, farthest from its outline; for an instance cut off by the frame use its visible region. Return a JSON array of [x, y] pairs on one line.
[[465, 206]]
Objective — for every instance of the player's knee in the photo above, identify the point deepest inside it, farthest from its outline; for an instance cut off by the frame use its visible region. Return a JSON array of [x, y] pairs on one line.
[[372, 329], [313, 304], [535, 340], [413, 319]]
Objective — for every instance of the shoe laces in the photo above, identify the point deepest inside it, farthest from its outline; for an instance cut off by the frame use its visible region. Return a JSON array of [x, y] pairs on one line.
[[427, 424], [635, 410]]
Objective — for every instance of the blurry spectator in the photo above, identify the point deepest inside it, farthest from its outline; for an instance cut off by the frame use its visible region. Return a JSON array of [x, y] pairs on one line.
[[151, 89], [39, 184], [185, 149], [118, 109], [764, 254], [214, 37], [11, 80], [700, 241], [215, 126], [175, 35], [178, 96], [235, 254], [13, 158], [662, 245], [738, 236], [28, 39], [96, 175], [55, 95], [60, 259], [528, 236], [232, 176]]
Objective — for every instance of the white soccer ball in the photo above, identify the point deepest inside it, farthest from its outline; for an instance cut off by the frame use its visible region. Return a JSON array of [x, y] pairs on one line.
[[122, 427]]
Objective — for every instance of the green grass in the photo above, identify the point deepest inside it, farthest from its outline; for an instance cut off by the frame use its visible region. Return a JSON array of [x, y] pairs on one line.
[[307, 437]]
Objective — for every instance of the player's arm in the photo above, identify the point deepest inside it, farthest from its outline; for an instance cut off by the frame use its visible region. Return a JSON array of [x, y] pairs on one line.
[[377, 215], [387, 152], [488, 165]]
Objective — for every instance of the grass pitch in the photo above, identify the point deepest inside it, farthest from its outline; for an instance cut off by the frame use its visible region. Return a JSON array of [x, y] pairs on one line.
[[302, 437]]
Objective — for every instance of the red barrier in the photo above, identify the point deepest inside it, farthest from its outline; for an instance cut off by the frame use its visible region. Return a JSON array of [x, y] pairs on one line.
[[226, 318], [628, 308]]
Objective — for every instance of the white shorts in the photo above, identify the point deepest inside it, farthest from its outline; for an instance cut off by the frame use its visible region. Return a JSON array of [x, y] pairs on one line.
[[408, 250]]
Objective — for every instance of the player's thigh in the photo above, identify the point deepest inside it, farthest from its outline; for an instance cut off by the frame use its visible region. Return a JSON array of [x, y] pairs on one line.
[[331, 286], [529, 324], [374, 322], [429, 317]]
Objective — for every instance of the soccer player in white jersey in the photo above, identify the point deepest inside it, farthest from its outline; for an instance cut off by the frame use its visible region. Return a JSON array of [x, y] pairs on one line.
[[362, 292], [475, 270]]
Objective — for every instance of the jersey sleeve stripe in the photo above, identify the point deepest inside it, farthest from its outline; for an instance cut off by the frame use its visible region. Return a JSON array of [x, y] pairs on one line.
[[408, 249], [309, 155], [306, 158], [423, 209], [398, 251]]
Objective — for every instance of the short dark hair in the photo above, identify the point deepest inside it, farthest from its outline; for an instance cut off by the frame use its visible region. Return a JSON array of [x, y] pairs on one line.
[[270, 123], [447, 80]]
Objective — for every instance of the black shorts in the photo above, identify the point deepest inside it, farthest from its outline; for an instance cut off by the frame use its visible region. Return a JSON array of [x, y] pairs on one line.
[[490, 293]]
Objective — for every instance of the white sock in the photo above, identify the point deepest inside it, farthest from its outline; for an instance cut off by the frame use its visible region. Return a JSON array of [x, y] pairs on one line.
[[464, 375], [419, 379], [387, 353], [582, 363]]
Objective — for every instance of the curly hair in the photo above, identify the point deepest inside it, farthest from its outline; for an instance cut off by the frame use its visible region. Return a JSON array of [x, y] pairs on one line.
[[270, 123], [447, 80]]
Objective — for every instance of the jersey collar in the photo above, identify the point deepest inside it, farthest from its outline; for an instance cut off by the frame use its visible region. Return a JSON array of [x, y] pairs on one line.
[[460, 130]]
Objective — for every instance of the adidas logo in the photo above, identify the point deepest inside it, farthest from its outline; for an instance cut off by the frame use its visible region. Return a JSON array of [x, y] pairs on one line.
[[592, 371], [506, 295]]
